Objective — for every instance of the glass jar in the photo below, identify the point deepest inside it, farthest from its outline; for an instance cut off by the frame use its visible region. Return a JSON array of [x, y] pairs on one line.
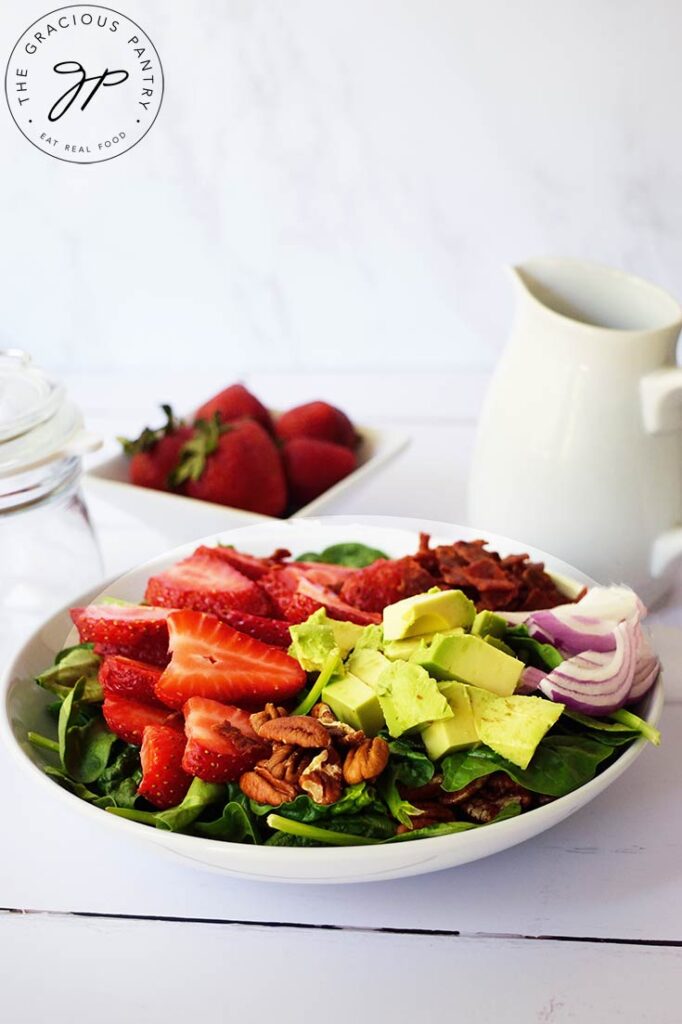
[[48, 550]]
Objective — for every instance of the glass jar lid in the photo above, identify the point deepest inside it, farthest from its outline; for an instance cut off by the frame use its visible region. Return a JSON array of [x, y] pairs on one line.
[[38, 422]]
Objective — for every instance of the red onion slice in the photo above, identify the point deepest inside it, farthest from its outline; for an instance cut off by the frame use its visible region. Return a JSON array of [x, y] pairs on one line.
[[596, 682], [530, 680], [572, 633]]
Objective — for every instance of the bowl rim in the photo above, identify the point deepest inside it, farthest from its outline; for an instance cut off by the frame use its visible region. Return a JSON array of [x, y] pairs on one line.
[[339, 859]]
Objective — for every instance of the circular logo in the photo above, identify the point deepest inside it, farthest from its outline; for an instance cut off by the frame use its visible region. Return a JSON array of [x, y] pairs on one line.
[[84, 83]]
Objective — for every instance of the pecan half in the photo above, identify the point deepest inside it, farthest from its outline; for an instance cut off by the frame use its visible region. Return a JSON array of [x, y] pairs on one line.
[[322, 780], [262, 786], [366, 761], [297, 730], [461, 795], [286, 762], [268, 713], [346, 734]]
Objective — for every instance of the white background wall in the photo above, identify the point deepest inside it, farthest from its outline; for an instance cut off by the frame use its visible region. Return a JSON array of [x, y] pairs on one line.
[[340, 183]]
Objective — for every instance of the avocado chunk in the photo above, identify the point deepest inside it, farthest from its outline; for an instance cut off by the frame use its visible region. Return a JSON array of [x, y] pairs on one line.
[[513, 726], [456, 733], [432, 612], [367, 665], [489, 624], [355, 703], [409, 697], [471, 660], [402, 650], [312, 640]]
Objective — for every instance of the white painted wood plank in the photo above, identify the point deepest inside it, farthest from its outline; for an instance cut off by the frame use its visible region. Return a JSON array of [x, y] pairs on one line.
[[612, 870], [63, 969]]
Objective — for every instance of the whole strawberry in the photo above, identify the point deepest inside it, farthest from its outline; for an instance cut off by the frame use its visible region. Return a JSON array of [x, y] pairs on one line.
[[319, 420], [234, 403], [155, 453], [233, 464], [313, 466]]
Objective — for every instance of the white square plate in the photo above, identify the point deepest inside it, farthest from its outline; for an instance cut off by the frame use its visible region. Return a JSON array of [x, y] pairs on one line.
[[109, 479]]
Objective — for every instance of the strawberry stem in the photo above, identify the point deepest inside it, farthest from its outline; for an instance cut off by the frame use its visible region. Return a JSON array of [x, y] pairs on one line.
[[149, 438], [194, 453]]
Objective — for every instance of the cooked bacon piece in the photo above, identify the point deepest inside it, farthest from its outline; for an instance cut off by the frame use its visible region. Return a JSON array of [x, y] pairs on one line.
[[386, 582]]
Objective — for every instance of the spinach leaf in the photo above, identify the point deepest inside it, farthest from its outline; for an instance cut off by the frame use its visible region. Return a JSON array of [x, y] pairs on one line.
[[71, 665], [560, 764], [354, 799], [121, 778], [413, 767], [543, 656], [447, 828], [200, 795], [236, 823], [77, 788], [351, 553], [83, 749], [402, 810]]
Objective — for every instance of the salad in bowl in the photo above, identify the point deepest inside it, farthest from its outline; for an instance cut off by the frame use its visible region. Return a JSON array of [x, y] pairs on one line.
[[385, 688]]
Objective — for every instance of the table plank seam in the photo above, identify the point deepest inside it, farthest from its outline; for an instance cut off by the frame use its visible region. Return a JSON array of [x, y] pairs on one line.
[[363, 929]]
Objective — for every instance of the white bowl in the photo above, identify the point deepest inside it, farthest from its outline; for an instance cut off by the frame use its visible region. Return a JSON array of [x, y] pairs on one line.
[[109, 478], [25, 703]]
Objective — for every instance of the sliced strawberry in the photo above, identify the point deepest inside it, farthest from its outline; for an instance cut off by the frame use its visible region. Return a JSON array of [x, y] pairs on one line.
[[281, 584], [164, 780], [220, 741], [336, 607], [206, 582], [332, 576], [134, 631], [126, 677], [129, 718], [270, 631], [210, 659], [248, 565]]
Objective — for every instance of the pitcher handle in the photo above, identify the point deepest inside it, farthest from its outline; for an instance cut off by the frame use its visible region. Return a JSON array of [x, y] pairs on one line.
[[662, 413], [662, 400]]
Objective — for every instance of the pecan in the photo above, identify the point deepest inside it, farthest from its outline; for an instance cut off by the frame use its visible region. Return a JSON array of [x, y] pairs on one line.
[[262, 786], [346, 734], [266, 715], [431, 814], [366, 761], [297, 730], [285, 762], [322, 780], [415, 794], [460, 795]]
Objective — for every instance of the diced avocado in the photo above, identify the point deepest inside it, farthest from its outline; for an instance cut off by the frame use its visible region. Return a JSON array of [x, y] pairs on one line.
[[456, 733], [367, 665], [371, 638], [356, 703], [402, 650], [489, 624], [499, 645], [312, 640], [409, 697], [513, 726], [471, 660], [432, 612]]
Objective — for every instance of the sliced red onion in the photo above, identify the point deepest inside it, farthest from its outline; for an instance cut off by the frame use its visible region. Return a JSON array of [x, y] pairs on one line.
[[619, 604], [572, 633], [530, 680], [647, 667], [596, 682]]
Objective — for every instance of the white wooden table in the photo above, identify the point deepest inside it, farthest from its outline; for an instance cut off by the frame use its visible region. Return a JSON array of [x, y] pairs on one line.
[[583, 923]]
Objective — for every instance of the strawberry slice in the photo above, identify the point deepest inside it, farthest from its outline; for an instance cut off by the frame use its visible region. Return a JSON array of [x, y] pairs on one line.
[[270, 631], [129, 718], [131, 630], [210, 659], [326, 574], [126, 677], [206, 582], [164, 780], [248, 565], [281, 585], [336, 608], [220, 741]]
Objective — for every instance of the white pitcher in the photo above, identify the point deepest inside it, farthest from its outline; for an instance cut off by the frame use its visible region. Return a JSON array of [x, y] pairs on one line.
[[579, 447]]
